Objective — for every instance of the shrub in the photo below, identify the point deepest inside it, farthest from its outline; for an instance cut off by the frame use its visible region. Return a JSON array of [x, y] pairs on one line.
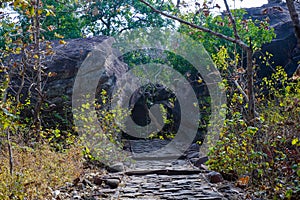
[[99, 132], [268, 153]]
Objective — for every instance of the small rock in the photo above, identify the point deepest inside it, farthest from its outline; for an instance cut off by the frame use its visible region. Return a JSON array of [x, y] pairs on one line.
[[204, 167], [87, 182], [215, 177], [107, 191], [56, 193], [112, 183], [193, 155], [75, 195], [98, 180], [118, 167], [201, 161], [194, 147]]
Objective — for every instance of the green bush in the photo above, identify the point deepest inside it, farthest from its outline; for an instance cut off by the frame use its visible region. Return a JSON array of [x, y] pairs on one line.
[[268, 153], [99, 132]]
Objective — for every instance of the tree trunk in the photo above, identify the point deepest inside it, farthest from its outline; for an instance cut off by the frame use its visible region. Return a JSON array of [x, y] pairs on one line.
[[250, 87], [11, 161], [295, 19], [38, 67]]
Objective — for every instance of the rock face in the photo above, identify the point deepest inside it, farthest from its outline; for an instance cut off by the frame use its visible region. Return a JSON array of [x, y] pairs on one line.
[[283, 46], [65, 64], [155, 94]]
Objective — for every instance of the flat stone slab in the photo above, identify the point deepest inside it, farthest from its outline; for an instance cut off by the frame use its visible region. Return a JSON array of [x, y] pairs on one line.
[[164, 172]]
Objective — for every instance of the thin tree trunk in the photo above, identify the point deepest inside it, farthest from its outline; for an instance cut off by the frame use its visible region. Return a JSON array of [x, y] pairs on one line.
[[295, 19], [38, 67], [22, 81], [11, 161], [250, 87]]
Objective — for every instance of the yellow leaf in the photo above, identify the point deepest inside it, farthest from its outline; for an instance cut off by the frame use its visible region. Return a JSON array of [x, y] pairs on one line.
[[62, 42], [295, 141], [6, 125], [52, 74], [36, 56], [51, 27], [58, 35], [16, 3], [47, 13]]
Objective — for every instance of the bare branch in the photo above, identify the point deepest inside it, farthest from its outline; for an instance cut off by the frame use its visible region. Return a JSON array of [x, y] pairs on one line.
[[236, 35], [219, 35], [238, 86]]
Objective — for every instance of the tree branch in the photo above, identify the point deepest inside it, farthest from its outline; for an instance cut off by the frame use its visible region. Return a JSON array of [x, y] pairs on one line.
[[219, 35], [295, 19], [236, 35]]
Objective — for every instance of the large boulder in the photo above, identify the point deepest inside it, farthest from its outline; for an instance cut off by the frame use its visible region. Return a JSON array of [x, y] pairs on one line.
[[62, 66], [283, 47]]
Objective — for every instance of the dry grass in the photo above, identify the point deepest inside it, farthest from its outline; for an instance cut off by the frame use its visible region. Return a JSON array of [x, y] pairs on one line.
[[37, 171]]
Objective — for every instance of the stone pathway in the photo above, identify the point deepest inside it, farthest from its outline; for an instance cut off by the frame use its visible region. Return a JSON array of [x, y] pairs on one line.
[[167, 177], [155, 186], [151, 177]]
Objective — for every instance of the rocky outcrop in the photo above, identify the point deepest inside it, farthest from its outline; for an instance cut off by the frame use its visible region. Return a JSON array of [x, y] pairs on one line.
[[61, 68], [65, 64], [283, 47]]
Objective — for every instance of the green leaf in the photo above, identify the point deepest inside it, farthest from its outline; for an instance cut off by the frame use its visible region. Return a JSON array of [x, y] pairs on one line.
[[32, 11], [6, 125]]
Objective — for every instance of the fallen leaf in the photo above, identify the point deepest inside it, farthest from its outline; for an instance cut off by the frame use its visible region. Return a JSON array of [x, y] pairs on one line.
[[243, 181]]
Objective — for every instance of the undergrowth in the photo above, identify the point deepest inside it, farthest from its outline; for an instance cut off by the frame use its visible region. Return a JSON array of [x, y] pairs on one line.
[[37, 172], [267, 153]]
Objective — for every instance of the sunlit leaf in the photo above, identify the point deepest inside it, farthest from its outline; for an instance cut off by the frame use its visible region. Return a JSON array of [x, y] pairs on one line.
[[295, 141], [62, 42]]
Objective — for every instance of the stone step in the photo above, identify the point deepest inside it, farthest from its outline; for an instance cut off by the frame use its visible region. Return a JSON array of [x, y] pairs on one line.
[[165, 172]]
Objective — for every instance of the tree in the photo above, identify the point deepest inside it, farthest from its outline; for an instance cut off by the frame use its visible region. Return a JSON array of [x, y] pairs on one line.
[[23, 46], [77, 18], [63, 18], [113, 17]]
